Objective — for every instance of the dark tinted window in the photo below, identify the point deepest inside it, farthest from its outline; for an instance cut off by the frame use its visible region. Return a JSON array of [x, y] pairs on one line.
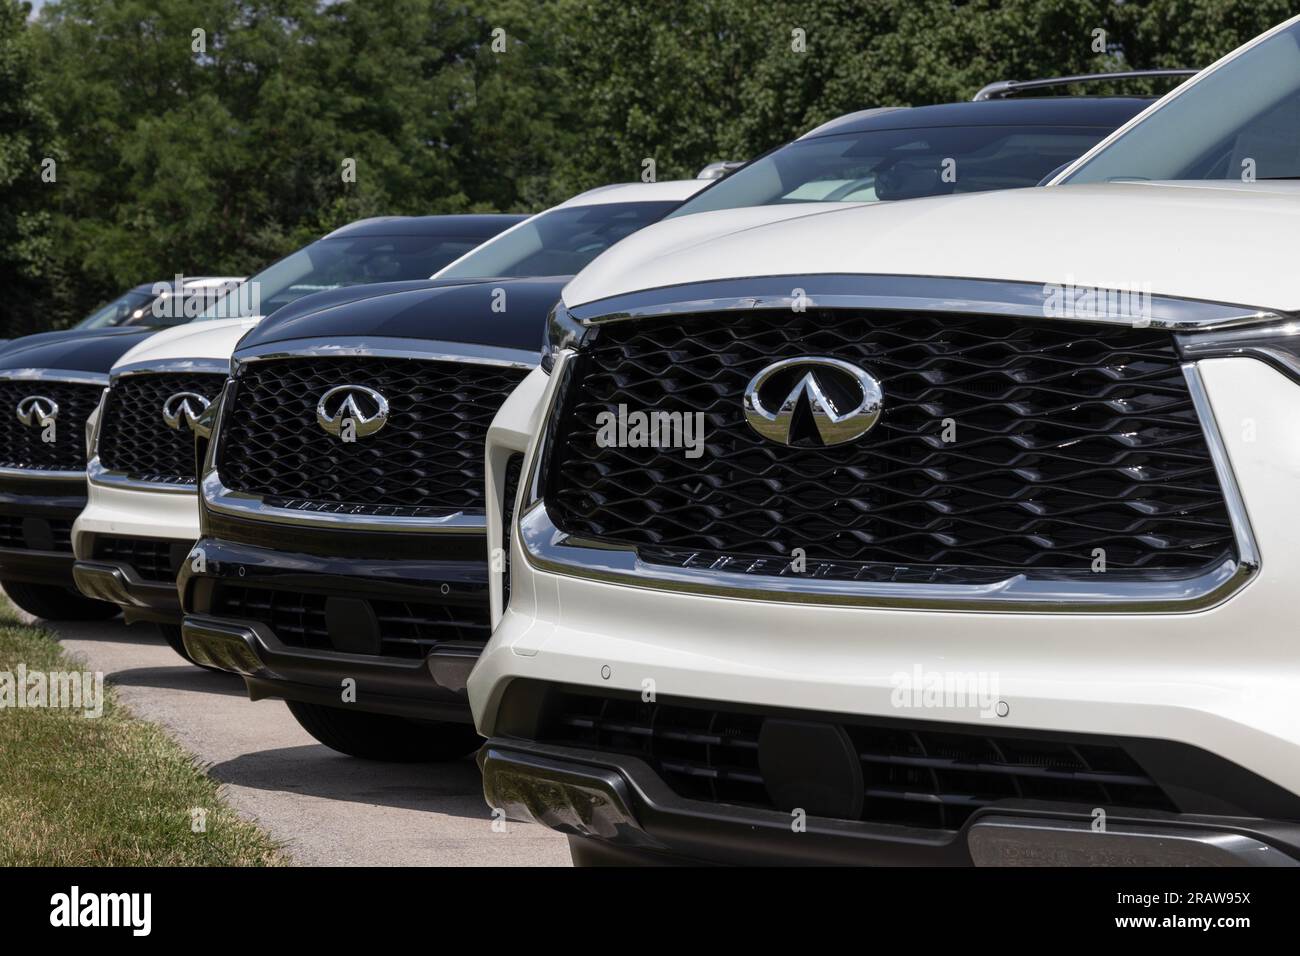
[[118, 312], [1240, 122], [558, 242], [331, 263], [882, 165]]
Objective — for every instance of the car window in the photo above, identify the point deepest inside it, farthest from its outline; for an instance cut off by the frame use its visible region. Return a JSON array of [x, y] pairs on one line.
[[331, 263], [559, 242], [168, 308], [121, 310], [1241, 121], [883, 165]]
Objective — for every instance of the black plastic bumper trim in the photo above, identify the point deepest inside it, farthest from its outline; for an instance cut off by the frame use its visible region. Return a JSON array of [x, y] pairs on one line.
[[651, 819], [119, 584], [427, 689]]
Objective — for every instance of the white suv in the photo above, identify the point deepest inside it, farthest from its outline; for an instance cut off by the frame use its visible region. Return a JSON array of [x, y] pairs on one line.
[[142, 517], [953, 531]]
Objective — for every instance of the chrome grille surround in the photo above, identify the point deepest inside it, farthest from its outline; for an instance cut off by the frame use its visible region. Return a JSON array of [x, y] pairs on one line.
[[228, 501], [549, 548]]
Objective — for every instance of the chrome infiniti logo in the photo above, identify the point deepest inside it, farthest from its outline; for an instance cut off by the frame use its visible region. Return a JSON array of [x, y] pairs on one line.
[[812, 401], [351, 412], [182, 409], [37, 410]]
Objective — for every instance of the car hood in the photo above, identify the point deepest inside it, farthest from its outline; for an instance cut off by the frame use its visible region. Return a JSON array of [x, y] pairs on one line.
[[502, 313], [67, 335], [89, 351], [214, 339], [695, 231], [1221, 242]]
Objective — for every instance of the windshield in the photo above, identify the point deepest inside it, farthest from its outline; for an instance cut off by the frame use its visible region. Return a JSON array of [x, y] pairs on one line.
[[882, 165], [331, 263], [119, 311], [1241, 122], [558, 242]]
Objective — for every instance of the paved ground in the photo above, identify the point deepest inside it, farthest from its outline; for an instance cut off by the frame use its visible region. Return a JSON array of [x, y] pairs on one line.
[[328, 809]]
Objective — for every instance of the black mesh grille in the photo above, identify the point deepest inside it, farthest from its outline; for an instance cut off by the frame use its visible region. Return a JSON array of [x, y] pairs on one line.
[[56, 532], [21, 446], [917, 777], [1065, 438], [428, 458], [154, 559], [407, 629], [134, 439]]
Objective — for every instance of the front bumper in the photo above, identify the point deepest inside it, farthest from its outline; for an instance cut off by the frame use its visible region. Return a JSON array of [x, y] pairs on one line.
[[429, 687], [41, 514], [118, 583], [625, 813], [1223, 679], [168, 518]]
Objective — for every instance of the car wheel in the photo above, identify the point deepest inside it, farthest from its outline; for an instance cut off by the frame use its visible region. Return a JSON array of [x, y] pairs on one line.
[[384, 737]]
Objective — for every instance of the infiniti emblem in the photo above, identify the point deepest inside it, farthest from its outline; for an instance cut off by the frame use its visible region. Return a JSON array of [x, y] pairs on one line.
[[812, 401], [352, 411], [183, 408], [37, 410]]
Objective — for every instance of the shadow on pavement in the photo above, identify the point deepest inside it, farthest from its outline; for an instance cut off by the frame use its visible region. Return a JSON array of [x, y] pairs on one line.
[[142, 634], [455, 789], [181, 676]]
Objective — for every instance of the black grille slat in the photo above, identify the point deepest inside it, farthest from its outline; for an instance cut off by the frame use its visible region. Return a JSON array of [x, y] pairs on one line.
[[407, 629], [154, 559], [12, 536], [134, 439], [426, 461], [1069, 437], [916, 777], [21, 445]]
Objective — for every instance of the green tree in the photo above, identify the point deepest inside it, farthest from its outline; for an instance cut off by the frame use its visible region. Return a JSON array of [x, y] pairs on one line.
[[208, 136], [686, 84], [27, 263]]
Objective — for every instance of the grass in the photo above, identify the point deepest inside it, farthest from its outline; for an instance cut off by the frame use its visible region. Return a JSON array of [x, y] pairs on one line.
[[105, 791]]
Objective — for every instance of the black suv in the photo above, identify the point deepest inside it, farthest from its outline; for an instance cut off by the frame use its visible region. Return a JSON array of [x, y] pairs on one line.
[[341, 564], [48, 388]]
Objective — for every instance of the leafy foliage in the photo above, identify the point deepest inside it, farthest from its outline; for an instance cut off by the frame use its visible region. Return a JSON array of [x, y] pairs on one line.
[[217, 157]]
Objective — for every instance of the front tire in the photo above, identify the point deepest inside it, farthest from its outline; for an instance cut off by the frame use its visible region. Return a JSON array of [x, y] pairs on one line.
[[384, 737], [55, 603]]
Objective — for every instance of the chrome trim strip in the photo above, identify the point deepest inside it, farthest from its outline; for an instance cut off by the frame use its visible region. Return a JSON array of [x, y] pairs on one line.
[[71, 376], [1010, 840], [41, 474], [217, 497], [1026, 300], [425, 350], [92, 425], [549, 549], [202, 366], [97, 474], [1247, 549], [222, 500]]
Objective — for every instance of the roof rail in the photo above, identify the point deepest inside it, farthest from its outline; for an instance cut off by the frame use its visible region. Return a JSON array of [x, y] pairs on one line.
[[720, 169], [1004, 88]]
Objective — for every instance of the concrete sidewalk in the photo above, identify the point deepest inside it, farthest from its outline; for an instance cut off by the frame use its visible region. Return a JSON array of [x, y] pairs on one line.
[[328, 809]]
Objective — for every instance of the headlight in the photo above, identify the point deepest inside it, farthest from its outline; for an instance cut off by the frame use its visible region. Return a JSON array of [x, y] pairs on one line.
[[1277, 343], [562, 332]]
